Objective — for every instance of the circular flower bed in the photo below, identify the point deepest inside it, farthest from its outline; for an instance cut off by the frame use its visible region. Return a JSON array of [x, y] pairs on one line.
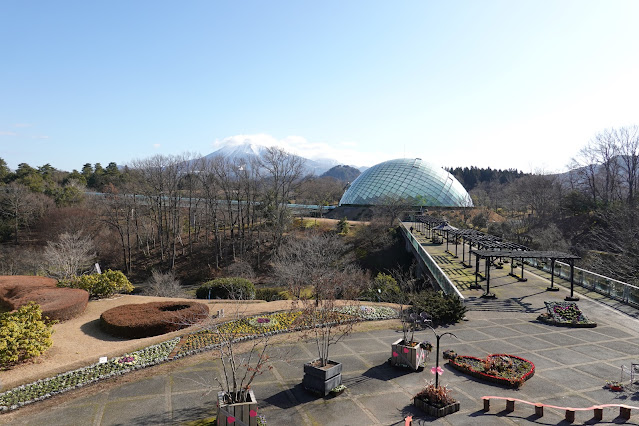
[[126, 360], [503, 369], [263, 322], [151, 319]]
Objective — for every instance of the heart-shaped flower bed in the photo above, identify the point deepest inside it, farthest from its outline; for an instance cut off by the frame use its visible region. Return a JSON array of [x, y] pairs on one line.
[[503, 369]]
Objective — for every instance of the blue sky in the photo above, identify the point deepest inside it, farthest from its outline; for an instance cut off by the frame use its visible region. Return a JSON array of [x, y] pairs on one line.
[[497, 84]]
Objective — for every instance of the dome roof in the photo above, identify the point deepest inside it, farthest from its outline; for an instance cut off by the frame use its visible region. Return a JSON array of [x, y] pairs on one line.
[[419, 182]]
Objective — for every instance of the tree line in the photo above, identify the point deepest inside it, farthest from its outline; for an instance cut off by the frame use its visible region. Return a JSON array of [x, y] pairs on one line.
[[161, 209]]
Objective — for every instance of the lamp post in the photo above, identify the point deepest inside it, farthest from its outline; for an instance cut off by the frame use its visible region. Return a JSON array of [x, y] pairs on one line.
[[438, 336]]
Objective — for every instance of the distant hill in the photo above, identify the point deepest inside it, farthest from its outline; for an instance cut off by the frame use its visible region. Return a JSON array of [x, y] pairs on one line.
[[343, 173]]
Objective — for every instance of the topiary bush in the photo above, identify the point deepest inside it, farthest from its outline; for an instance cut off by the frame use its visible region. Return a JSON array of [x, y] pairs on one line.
[[152, 319], [100, 285], [271, 293], [23, 335], [227, 288], [57, 304], [442, 308]]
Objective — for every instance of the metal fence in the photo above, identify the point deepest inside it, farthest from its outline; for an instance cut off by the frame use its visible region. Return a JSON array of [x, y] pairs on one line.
[[440, 277], [618, 290]]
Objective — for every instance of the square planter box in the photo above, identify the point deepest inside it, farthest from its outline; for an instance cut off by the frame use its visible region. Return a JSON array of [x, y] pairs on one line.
[[407, 356], [245, 412], [434, 411], [321, 380]]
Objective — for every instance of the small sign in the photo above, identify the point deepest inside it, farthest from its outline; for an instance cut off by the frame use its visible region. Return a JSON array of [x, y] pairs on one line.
[[97, 268], [103, 359]]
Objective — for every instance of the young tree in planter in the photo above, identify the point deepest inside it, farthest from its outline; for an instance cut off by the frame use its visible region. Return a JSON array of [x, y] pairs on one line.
[[320, 262], [243, 357], [327, 326]]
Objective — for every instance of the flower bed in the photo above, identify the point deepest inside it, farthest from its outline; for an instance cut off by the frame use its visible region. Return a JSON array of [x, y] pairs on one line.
[[370, 313], [247, 328], [503, 369], [280, 322], [565, 314], [42, 389]]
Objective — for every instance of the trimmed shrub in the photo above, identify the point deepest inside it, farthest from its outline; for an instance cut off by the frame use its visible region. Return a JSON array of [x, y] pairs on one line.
[[57, 304], [271, 293], [100, 285], [23, 335], [227, 288], [442, 308], [151, 319], [384, 288]]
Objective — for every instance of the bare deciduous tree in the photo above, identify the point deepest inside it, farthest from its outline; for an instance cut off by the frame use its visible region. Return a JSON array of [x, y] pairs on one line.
[[70, 256], [314, 260], [282, 174], [20, 206], [164, 285]]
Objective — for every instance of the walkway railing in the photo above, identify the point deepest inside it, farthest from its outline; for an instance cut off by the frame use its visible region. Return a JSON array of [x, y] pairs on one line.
[[440, 277], [615, 289]]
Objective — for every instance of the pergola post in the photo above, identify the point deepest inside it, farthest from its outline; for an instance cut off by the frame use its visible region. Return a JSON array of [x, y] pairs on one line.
[[464, 251], [572, 297], [475, 286], [456, 244], [552, 276], [488, 295]]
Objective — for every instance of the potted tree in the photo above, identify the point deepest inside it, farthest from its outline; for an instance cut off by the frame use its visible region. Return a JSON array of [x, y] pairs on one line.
[[320, 261], [406, 351], [235, 398], [326, 327]]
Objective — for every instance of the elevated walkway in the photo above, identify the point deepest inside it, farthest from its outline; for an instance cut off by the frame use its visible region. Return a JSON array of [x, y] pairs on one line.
[[511, 295]]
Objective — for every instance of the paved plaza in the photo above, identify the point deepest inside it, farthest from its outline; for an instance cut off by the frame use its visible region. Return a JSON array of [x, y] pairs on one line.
[[572, 366]]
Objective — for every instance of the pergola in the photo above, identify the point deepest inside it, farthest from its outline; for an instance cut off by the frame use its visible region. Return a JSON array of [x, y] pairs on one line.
[[489, 255], [428, 223]]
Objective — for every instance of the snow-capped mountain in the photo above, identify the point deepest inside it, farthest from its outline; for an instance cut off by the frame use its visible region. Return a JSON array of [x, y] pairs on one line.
[[244, 151], [241, 152]]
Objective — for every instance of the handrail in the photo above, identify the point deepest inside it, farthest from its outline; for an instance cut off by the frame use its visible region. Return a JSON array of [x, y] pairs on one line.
[[440, 276], [610, 287]]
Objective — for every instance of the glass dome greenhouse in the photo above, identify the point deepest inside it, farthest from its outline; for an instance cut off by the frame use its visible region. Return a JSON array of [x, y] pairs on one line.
[[418, 182]]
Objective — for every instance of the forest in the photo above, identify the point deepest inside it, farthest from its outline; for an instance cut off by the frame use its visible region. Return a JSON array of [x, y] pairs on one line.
[[202, 219]]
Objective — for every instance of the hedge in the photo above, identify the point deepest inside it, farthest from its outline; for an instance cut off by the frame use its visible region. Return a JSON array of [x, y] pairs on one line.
[[151, 319], [57, 304], [226, 288]]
